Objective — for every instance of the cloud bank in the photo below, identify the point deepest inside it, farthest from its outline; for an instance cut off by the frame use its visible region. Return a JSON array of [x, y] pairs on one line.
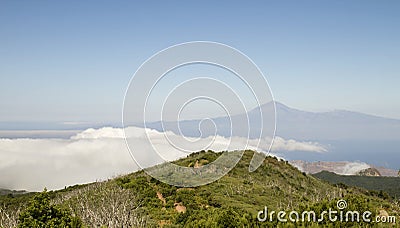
[[339, 167], [352, 168], [97, 154]]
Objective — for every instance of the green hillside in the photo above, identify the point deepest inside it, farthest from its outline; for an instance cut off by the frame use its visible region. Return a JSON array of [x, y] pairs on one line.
[[138, 200], [389, 185]]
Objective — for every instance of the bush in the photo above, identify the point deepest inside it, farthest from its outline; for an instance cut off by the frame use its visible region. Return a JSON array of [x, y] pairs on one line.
[[40, 213], [216, 217]]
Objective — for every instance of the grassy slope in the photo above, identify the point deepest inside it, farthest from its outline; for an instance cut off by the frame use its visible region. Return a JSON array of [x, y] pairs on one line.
[[275, 184], [238, 195]]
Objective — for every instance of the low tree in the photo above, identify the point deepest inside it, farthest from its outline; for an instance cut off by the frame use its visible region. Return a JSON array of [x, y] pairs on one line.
[[41, 213], [106, 204]]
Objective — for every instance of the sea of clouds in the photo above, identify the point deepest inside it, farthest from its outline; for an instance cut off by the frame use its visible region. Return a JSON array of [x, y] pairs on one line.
[[97, 154]]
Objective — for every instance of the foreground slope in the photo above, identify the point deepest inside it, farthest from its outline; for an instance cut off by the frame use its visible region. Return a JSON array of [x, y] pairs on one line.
[[137, 199]]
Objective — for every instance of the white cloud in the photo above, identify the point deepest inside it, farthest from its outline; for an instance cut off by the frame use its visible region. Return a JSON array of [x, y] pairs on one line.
[[281, 144], [352, 168], [94, 154], [339, 167]]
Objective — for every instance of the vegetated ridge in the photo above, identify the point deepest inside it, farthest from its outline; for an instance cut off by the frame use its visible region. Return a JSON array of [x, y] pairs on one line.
[[138, 200]]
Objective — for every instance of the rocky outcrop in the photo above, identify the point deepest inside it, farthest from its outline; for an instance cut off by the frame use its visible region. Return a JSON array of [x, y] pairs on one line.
[[370, 172]]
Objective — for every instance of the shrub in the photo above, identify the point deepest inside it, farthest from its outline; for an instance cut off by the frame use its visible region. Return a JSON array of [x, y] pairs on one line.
[[40, 213]]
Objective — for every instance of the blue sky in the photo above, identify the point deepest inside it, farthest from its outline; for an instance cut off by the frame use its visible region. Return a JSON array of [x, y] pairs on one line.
[[72, 60]]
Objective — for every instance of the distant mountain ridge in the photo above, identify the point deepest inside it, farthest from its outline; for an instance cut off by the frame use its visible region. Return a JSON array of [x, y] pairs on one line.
[[290, 123], [11, 192], [334, 125], [341, 167], [297, 124]]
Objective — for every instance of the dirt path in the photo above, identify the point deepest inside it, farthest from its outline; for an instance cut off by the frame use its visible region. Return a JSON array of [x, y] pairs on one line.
[[179, 207], [160, 197]]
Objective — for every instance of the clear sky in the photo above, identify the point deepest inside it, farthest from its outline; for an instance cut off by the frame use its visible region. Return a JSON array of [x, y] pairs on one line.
[[72, 60]]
